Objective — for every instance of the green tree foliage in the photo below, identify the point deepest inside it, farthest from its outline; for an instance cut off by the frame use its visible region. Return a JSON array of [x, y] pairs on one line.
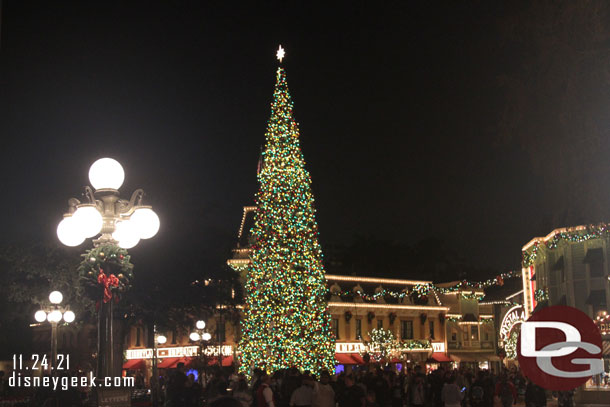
[[286, 319]]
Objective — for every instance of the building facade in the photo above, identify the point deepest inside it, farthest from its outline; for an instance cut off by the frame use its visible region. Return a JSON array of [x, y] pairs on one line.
[[569, 266]]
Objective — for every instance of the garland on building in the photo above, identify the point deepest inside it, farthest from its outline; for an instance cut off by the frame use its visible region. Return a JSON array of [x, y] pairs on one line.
[[415, 344], [574, 236], [421, 291], [286, 318], [105, 272], [541, 295]]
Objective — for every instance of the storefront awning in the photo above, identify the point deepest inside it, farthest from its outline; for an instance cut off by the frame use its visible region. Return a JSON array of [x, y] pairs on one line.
[[349, 359], [606, 349], [134, 364], [440, 357], [167, 363]]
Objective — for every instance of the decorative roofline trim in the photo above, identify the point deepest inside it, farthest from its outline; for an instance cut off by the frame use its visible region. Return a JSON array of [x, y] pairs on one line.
[[387, 306], [552, 235], [336, 277]]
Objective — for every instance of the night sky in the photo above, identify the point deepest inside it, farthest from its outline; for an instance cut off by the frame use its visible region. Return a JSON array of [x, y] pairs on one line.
[[480, 123]]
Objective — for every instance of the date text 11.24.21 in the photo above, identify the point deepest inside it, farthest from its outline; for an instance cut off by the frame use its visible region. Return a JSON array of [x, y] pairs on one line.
[[39, 362]]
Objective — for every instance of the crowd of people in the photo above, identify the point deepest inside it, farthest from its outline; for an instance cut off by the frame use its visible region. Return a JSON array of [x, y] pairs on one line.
[[363, 388]]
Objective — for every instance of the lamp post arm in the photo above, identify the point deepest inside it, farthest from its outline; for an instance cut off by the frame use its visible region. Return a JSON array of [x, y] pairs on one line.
[[136, 198], [72, 204], [89, 195]]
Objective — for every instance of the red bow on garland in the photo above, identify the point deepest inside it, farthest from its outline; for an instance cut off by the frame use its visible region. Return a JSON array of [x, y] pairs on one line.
[[107, 282]]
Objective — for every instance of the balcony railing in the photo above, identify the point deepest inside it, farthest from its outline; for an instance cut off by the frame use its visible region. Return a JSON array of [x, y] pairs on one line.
[[470, 345]]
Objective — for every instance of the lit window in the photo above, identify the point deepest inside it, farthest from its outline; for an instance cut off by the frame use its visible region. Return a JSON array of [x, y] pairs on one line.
[[336, 327], [406, 329]]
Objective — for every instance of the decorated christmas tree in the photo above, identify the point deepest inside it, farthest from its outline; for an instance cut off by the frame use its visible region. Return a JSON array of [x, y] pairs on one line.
[[286, 319]]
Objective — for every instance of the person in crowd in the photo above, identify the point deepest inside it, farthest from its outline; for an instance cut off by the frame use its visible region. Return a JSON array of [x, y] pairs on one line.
[[176, 387], [193, 392], [139, 379], [535, 396], [242, 393], [264, 393], [451, 394], [396, 390], [436, 380], [290, 383], [370, 400], [303, 395], [565, 398], [323, 392], [506, 391], [477, 391], [417, 389], [351, 395], [216, 387]]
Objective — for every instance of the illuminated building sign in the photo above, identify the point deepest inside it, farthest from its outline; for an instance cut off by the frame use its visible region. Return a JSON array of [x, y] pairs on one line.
[[349, 347], [513, 317], [176, 352], [438, 347]]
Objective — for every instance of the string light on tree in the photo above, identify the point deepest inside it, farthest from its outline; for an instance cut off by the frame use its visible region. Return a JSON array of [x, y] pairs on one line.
[[286, 319]]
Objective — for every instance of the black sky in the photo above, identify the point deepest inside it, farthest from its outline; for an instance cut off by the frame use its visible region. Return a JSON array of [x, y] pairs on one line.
[[406, 111]]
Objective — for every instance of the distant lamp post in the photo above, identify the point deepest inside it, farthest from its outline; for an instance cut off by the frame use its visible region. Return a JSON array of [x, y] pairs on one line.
[[202, 337], [54, 313], [118, 222], [158, 339]]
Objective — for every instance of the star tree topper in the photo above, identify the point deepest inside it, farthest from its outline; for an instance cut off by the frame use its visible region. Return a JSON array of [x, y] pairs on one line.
[[280, 54]]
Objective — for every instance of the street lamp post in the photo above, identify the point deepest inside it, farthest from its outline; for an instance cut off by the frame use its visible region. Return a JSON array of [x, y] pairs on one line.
[[202, 337], [54, 314], [158, 339], [118, 222]]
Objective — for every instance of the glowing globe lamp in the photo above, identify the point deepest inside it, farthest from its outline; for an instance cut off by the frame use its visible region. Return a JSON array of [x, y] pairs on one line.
[[161, 339], [126, 234], [206, 336], [88, 219], [200, 324], [54, 316], [194, 336], [40, 316], [69, 316], [146, 221], [106, 173], [69, 233], [56, 297]]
